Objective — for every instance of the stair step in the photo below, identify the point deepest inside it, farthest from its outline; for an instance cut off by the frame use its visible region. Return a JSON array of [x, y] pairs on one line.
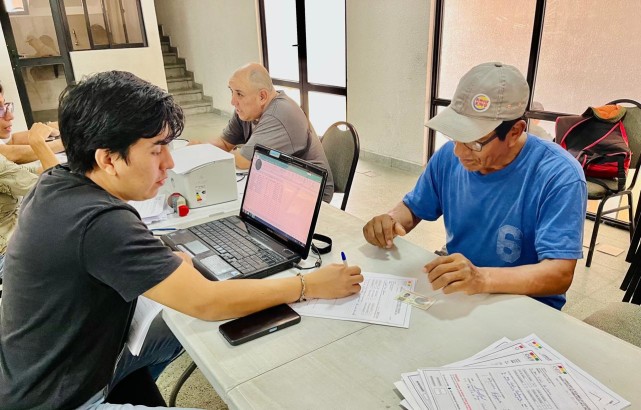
[[169, 58], [179, 83], [174, 70], [196, 107], [188, 94]]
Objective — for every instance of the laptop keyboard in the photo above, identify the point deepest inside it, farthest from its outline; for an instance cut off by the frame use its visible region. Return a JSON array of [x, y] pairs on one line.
[[235, 246]]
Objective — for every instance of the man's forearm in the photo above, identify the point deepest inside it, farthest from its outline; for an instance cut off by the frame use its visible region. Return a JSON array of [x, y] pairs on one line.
[[240, 161], [548, 277]]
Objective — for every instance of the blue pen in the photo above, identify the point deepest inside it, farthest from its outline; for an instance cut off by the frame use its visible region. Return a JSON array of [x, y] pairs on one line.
[[344, 258], [164, 229]]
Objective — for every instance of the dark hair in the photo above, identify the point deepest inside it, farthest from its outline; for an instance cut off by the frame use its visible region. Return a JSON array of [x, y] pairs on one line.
[[505, 127], [113, 110], [1, 90]]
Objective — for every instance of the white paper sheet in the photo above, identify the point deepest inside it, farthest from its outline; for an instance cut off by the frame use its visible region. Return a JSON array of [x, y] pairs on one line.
[[375, 302], [146, 312]]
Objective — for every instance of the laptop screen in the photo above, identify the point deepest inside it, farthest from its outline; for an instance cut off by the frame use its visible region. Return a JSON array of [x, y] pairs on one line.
[[283, 194]]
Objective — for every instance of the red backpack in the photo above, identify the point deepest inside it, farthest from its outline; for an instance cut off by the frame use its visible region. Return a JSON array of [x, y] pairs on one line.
[[597, 139]]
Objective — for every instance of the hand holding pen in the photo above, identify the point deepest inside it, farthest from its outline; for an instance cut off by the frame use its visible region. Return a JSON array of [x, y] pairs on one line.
[[330, 282]]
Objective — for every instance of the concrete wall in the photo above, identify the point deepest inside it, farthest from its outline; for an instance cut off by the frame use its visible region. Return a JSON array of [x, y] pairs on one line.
[[215, 37], [145, 62], [387, 49]]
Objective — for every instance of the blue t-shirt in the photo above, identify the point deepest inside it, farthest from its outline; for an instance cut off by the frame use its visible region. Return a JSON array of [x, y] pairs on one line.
[[531, 210]]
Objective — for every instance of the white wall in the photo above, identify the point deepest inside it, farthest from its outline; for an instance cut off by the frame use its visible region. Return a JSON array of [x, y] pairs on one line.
[[387, 49], [145, 62], [215, 37]]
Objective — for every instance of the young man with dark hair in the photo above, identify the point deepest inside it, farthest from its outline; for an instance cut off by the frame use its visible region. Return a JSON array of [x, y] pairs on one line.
[[69, 299], [513, 205]]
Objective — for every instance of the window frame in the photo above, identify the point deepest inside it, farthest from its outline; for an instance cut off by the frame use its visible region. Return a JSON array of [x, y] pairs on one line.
[[107, 23]]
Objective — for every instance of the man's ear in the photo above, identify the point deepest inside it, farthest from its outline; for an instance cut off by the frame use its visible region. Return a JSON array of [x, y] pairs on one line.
[[263, 95], [105, 161], [516, 131]]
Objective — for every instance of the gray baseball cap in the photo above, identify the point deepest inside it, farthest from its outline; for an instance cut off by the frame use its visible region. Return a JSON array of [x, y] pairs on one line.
[[487, 95]]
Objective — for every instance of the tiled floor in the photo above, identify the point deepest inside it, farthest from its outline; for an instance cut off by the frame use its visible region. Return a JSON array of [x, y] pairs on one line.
[[375, 190]]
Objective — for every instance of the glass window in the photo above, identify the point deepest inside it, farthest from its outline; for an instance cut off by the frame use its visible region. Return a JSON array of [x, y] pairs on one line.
[[325, 42], [589, 57], [111, 23], [33, 30], [476, 32], [325, 109], [282, 39], [293, 93], [542, 129], [44, 85], [97, 23]]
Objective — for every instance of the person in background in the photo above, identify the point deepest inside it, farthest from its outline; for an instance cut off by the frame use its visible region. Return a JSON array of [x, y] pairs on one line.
[[69, 299], [16, 180], [268, 117], [513, 204], [15, 146]]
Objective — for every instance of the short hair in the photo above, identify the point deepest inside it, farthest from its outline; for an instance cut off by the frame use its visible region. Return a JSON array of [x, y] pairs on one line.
[[112, 110], [259, 78], [1, 89], [505, 127]]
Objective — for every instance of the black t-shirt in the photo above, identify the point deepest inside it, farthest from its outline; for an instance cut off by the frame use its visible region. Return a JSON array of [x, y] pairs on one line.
[[75, 265]]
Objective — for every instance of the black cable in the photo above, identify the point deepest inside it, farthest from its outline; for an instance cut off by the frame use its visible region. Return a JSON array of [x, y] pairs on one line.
[[241, 175], [318, 262]]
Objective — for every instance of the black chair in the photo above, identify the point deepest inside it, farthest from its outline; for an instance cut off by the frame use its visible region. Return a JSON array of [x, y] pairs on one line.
[[342, 148], [605, 189]]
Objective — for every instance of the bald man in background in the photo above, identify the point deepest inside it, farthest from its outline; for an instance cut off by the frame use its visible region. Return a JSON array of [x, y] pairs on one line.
[[268, 117]]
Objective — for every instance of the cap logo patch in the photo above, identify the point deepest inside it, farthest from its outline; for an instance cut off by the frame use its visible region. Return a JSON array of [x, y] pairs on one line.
[[481, 102]]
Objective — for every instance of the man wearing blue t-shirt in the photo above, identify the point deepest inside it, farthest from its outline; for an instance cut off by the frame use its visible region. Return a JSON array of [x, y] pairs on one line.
[[513, 204]]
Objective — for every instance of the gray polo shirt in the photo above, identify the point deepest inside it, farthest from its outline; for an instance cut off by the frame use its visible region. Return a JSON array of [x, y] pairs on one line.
[[283, 126]]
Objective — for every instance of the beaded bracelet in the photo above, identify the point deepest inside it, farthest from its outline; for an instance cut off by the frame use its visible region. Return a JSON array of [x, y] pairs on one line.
[[302, 287]]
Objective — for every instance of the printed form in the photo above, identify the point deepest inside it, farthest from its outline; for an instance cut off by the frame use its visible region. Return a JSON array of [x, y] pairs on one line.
[[375, 303]]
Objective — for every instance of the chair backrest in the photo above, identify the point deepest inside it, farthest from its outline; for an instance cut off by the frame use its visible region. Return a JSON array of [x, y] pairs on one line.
[[342, 148], [632, 124]]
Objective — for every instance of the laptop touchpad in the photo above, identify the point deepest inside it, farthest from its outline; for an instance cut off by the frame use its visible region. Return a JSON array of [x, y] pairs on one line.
[[196, 247]]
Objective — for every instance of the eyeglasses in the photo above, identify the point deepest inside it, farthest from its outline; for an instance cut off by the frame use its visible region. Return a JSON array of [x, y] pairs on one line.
[[478, 146], [5, 108]]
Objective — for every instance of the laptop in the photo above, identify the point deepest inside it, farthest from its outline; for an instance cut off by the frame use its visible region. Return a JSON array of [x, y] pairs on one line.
[[274, 229]]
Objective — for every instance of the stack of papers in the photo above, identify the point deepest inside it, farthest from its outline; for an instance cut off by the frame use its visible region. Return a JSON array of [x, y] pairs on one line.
[[152, 210], [523, 374]]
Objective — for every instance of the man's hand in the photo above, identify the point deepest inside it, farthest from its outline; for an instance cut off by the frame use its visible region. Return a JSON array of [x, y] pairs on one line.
[[381, 231], [455, 273], [38, 133]]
